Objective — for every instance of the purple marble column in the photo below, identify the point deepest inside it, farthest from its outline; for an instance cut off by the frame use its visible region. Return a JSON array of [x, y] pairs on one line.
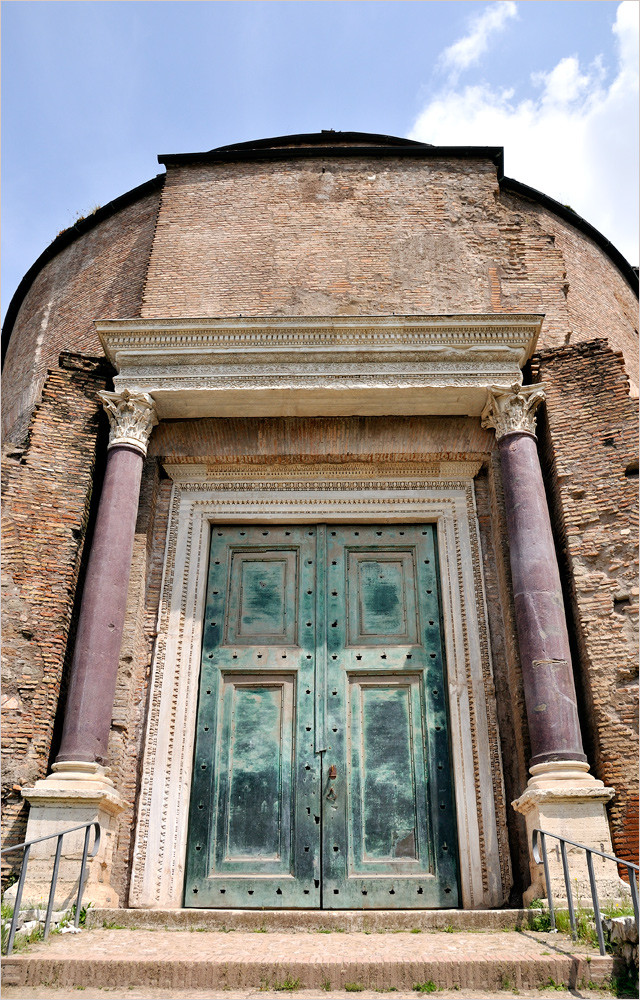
[[94, 668], [549, 688]]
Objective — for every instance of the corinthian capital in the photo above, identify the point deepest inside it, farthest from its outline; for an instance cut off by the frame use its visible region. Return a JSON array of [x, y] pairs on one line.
[[512, 411], [132, 416]]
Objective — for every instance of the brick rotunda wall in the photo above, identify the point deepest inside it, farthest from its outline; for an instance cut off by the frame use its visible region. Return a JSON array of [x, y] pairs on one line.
[[47, 493], [100, 274], [589, 447], [361, 236]]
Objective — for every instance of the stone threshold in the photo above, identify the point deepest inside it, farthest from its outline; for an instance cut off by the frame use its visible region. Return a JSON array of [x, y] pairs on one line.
[[285, 920]]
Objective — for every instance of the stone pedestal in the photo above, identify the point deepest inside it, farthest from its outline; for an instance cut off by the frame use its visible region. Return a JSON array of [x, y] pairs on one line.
[[571, 803], [71, 795]]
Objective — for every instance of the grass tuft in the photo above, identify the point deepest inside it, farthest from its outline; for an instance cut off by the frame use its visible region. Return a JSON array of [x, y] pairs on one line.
[[287, 986]]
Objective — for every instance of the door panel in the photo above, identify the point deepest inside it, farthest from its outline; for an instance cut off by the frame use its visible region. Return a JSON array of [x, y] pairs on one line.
[[386, 802], [254, 830], [254, 774], [388, 816], [321, 769]]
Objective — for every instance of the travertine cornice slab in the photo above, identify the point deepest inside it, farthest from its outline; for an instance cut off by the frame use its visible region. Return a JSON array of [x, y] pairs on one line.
[[313, 366], [321, 472]]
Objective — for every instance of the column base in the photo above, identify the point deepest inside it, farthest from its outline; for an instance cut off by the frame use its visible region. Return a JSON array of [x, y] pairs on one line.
[[76, 792], [563, 798]]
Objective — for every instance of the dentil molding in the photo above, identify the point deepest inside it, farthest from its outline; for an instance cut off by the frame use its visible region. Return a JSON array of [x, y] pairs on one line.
[[319, 366]]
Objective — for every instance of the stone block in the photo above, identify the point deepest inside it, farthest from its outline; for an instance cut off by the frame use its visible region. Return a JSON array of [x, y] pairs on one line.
[[60, 802]]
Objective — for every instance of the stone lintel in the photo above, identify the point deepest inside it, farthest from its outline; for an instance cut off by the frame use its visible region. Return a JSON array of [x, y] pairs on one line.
[[313, 366]]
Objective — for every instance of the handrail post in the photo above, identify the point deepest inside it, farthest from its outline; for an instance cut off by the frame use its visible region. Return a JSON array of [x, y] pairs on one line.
[[539, 838], [52, 891], [26, 847], [567, 883], [18, 900], [633, 885], [594, 897], [547, 877], [85, 851]]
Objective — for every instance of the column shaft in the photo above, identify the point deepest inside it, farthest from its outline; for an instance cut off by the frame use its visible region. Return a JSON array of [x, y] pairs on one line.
[[549, 687], [95, 661]]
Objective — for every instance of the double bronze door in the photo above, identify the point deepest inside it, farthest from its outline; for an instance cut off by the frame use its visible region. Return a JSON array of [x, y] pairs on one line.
[[321, 769]]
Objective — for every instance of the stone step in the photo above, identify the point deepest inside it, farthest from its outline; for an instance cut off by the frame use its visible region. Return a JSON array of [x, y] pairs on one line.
[[354, 961], [283, 921]]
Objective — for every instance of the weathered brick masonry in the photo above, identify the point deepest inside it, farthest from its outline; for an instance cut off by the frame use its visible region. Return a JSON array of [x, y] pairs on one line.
[[328, 237], [101, 273], [47, 496], [589, 444]]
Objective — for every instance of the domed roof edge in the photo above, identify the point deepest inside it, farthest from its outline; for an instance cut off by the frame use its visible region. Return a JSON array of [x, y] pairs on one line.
[[332, 144], [324, 138], [568, 214], [63, 240], [508, 184]]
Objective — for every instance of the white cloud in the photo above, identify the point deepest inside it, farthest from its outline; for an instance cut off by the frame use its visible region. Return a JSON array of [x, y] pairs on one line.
[[577, 140], [468, 50]]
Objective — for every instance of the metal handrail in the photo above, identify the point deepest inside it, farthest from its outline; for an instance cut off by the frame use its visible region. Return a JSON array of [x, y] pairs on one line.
[[26, 846], [539, 838]]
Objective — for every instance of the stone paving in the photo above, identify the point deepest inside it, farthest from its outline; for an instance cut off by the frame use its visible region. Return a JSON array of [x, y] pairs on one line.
[[93, 993], [144, 963]]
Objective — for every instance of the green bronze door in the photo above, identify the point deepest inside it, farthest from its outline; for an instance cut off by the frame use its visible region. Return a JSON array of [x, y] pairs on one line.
[[321, 767]]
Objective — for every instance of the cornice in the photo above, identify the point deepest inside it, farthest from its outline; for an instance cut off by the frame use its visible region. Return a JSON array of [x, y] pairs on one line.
[[324, 473], [470, 331], [319, 365]]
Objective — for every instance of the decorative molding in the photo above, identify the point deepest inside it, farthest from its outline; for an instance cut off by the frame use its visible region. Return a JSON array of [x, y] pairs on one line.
[[347, 494], [132, 417], [311, 366], [316, 475], [512, 411]]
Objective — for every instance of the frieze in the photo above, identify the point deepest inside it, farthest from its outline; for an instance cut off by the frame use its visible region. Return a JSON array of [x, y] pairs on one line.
[[277, 365], [320, 474], [304, 381]]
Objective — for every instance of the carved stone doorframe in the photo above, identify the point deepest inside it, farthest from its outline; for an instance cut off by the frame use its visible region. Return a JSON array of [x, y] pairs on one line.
[[442, 493]]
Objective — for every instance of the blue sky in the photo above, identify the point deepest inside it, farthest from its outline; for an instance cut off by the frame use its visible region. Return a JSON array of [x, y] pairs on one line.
[[93, 91]]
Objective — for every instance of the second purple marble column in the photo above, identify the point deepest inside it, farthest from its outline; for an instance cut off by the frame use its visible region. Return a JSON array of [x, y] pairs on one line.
[[550, 695]]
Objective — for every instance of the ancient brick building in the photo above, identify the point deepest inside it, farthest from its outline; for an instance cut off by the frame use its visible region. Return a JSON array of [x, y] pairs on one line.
[[298, 600]]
